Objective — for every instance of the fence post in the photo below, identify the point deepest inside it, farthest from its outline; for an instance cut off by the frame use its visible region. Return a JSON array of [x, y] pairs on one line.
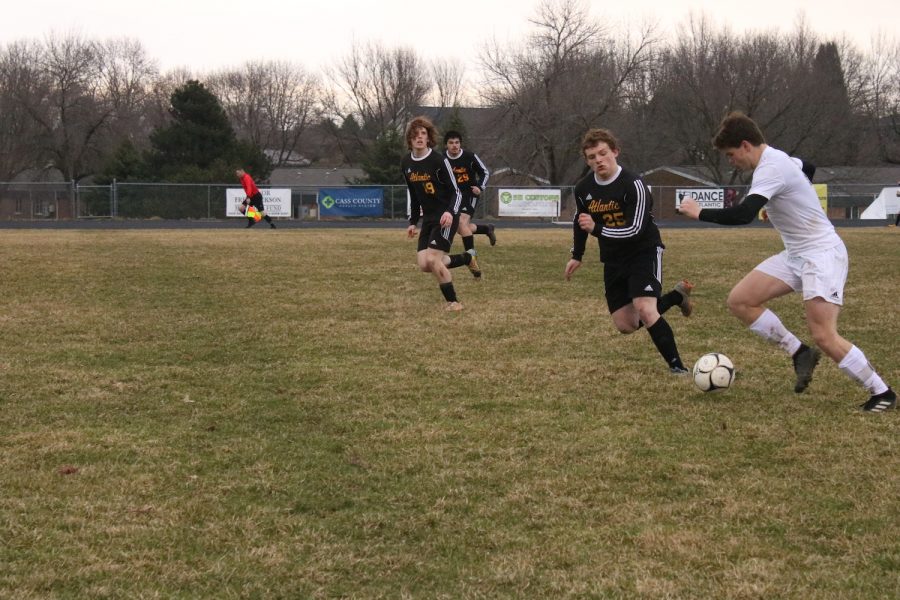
[[208, 192]]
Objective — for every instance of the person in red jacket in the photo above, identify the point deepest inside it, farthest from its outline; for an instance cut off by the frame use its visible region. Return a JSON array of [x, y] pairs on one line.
[[254, 198]]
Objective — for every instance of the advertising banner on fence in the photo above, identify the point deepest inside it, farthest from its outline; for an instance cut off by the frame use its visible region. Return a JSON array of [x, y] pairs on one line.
[[705, 197], [277, 202], [351, 202], [541, 202]]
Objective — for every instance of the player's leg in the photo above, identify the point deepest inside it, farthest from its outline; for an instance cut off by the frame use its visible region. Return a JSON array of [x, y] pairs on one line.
[[440, 240], [773, 278], [822, 316], [487, 230], [679, 296], [644, 287], [824, 275], [466, 230], [452, 261], [618, 301]]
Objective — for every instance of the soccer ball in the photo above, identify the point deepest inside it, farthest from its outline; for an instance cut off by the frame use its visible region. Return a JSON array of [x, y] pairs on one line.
[[713, 372]]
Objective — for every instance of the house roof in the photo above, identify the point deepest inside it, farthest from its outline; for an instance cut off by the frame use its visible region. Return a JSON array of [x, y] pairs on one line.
[[314, 176], [858, 175], [696, 174]]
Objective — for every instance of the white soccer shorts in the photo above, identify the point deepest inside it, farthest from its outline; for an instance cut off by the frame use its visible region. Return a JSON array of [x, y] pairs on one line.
[[818, 274]]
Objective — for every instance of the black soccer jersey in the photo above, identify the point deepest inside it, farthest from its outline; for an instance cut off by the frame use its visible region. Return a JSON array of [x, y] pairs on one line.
[[469, 172], [432, 186], [622, 211]]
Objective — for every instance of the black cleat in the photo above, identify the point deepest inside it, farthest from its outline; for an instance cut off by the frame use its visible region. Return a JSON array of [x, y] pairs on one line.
[[250, 223], [805, 361], [678, 371], [881, 402], [491, 235], [272, 225]]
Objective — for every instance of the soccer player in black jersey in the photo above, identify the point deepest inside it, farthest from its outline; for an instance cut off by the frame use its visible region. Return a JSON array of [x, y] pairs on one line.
[[471, 178], [433, 193], [614, 205]]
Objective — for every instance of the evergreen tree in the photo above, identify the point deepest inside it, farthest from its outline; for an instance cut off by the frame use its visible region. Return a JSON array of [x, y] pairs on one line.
[[381, 161], [199, 145]]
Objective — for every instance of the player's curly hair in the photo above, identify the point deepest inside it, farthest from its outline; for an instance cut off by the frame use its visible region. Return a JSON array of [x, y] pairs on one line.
[[596, 136], [735, 128], [425, 124]]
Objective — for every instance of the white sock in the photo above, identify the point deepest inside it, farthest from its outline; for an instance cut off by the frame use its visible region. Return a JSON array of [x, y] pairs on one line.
[[769, 327], [857, 367]]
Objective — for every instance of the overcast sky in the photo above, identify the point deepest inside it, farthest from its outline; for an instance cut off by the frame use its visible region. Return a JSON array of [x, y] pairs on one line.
[[208, 34]]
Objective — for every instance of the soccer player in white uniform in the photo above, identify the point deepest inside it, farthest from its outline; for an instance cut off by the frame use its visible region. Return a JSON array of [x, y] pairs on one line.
[[813, 262]]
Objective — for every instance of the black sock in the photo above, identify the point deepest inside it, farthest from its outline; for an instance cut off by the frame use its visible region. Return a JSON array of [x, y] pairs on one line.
[[664, 340], [468, 242], [458, 260], [482, 229], [448, 291], [267, 218], [667, 301]]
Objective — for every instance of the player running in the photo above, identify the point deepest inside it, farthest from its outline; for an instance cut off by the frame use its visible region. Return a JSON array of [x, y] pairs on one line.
[[434, 194], [814, 260], [471, 178], [615, 206]]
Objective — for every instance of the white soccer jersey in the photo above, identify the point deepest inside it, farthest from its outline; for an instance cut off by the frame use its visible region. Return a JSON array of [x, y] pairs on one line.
[[793, 206]]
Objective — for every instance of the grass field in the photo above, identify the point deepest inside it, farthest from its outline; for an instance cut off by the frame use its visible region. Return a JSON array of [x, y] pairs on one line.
[[289, 414]]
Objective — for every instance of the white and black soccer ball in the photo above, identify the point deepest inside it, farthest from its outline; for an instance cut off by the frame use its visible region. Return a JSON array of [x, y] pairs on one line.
[[713, 372]]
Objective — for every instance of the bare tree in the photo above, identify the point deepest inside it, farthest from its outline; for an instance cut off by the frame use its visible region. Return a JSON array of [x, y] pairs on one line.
[[790, 85], [571, 75], [270, 104], [876, 83], [127, 75], [449, 82], [21, 93], [378, 88]]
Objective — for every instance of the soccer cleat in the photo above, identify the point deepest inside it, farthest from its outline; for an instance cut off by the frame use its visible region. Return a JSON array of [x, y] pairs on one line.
[[678, 371], [473, 267], [272, 225], [453, 307], [250, 223], [491, 235], [805, 361], [684, 287], [881, 402]]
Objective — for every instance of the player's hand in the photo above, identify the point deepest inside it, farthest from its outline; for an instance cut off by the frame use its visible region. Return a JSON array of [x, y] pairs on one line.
[[446, 219], [476, 190], [586, 222], [689, 208], [411, 231], [571, 267]]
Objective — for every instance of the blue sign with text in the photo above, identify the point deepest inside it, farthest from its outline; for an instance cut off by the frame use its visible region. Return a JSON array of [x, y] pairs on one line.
[[351, 202]]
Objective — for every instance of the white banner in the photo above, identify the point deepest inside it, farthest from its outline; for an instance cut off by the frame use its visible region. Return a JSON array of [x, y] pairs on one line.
[[277, 201], [705, 197], [538, 202]]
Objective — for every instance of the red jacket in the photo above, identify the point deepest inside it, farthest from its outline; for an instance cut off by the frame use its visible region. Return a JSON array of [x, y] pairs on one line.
[[249, 187]]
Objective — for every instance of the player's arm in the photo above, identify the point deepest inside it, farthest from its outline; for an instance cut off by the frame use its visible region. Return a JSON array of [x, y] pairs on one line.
[[579, 235], [742, 214], [808, 169], [482, 174], [448, 191], [415, 205]]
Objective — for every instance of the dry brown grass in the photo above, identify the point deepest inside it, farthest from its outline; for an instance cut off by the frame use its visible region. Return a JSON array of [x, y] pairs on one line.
[[289, 414]]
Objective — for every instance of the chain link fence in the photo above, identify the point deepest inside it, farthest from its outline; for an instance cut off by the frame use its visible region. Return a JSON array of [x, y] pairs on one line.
[[68, 200]]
